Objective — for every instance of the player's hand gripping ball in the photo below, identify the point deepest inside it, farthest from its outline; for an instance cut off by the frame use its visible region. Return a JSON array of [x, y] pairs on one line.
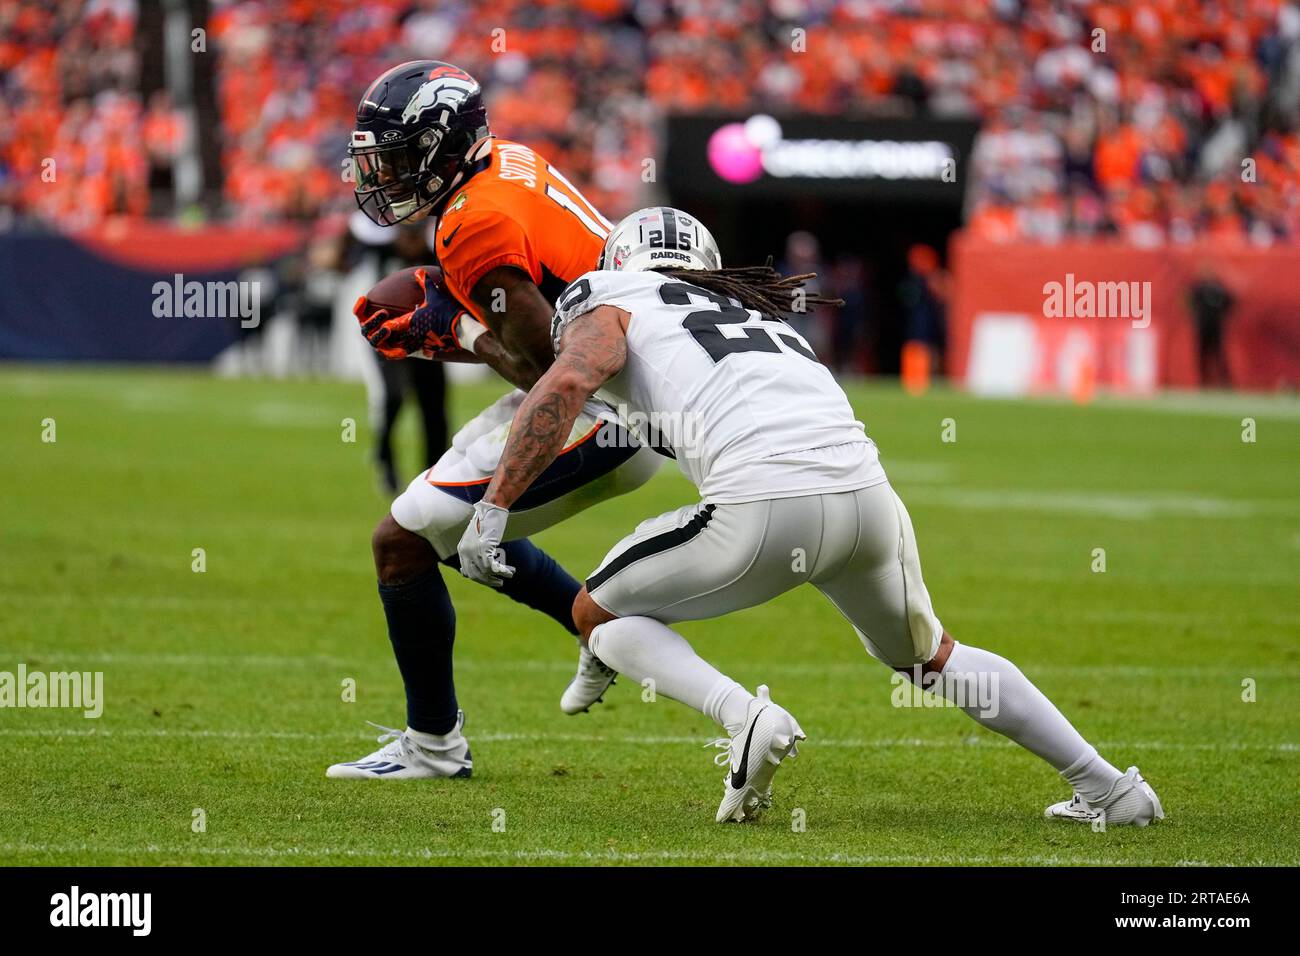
[[409, 313]]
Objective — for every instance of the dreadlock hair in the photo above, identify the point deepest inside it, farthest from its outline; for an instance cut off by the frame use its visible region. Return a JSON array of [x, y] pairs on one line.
[[760, 288]]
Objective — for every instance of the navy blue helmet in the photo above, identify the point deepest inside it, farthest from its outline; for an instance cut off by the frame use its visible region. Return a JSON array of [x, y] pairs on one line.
[[415, 127]]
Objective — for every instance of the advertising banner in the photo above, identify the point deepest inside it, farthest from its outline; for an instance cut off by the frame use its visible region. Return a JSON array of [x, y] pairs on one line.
[[749, 156]]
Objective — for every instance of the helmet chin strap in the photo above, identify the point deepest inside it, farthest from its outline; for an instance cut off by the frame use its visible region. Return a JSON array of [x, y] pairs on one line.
[[480, 149]]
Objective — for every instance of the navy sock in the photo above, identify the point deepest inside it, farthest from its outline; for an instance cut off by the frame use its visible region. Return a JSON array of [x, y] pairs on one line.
[[539, 582], [422, 628]]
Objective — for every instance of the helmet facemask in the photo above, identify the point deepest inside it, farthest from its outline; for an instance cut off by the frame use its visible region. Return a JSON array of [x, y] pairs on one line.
[[415, 126], [396, 182]]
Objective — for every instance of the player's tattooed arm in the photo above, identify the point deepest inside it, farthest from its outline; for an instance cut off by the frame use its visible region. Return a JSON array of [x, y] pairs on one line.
[[517, 313], [593, 349]]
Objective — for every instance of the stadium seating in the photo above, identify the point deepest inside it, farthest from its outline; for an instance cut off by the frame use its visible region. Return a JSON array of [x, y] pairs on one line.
[[1102, 118]]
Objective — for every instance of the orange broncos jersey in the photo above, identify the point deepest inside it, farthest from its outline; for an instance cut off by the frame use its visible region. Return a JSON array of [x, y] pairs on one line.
[[518, 211]]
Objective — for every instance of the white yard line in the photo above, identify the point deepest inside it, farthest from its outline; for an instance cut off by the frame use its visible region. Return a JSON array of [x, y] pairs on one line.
[[190, 603], [190, 660], [1124, 506], [1211, 404], [865, 666], [965, 743], [574, 856]]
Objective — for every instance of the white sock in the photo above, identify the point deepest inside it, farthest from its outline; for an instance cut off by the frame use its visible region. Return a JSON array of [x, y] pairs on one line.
[[433, 741], [728, 705], [1091, 775], [642, 647], [1025, 715]]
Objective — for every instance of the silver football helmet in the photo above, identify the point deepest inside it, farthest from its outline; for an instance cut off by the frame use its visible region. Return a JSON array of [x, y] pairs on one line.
[[659, 237]]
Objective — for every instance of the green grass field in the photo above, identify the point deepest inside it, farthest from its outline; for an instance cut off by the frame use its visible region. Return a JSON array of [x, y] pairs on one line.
[[223, 689]]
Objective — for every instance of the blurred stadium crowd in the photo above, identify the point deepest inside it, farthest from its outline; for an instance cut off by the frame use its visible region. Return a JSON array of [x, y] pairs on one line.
[[1144, 140]]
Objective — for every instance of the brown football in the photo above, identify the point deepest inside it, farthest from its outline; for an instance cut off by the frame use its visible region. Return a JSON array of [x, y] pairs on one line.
[[399, 293]]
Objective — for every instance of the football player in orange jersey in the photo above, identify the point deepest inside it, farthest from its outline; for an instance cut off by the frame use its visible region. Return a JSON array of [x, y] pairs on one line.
[[511, 233]]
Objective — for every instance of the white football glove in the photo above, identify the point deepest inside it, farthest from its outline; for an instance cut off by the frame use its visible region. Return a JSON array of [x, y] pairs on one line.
[[482, 558]]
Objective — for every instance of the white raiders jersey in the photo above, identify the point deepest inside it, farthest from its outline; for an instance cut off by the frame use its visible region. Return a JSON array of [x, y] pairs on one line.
[[738, 397]]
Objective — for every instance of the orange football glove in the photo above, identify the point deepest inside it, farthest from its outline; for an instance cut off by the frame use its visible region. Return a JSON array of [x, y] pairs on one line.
[[427, 330]]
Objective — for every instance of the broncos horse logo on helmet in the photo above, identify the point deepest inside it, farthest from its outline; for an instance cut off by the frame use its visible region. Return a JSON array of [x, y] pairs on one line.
[[447, 86], [415, 126]]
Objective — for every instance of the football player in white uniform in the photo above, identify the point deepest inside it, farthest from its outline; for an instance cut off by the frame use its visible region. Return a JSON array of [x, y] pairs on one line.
[[768, 437]]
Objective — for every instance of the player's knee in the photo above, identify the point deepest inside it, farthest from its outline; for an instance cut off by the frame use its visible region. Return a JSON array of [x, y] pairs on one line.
[[587, 614], [923, 662], [400, 555], [936, 663]]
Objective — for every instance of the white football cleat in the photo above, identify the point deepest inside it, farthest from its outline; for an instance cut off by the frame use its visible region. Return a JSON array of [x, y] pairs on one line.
[[1131, 802], [769, 736], [588, 685], [401, 758]]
